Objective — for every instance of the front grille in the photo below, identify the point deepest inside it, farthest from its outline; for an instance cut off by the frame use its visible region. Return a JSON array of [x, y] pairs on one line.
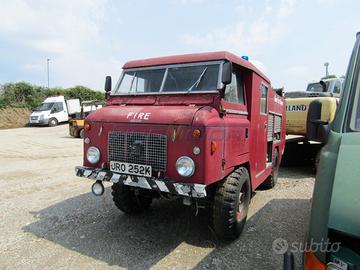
[[139, 148], [34, 117]]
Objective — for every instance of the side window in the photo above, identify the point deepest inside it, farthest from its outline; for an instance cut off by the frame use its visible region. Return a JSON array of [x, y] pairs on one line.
[[264, 99], [58, 106], [234, 92], [337, 87]]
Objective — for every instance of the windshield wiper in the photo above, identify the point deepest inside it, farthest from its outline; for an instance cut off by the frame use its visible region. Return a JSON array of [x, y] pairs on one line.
[[196, 84]]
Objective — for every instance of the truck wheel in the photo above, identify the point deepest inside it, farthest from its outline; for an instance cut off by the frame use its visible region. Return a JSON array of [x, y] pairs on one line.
[[231, 204], [53, 122], [127, 201], [81, 133], [271, 181]]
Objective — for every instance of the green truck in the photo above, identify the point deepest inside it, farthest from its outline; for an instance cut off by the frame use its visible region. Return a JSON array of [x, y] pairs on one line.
[[333, 240]]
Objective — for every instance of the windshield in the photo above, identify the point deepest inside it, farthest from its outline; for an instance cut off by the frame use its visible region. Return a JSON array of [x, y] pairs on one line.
[[179, 78], [45, 107], [317, 87]]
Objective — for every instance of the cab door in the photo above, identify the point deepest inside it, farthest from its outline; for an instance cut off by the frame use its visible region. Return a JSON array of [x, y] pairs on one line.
[[58, 111], [235, 120], [262, 127]]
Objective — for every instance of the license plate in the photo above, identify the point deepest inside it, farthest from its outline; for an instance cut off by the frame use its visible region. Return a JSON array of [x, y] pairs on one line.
[[130, 168]]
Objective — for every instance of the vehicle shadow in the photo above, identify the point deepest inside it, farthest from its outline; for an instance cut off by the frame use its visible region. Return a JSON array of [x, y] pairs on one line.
[[281, 223], [296, 172], [93, 227]]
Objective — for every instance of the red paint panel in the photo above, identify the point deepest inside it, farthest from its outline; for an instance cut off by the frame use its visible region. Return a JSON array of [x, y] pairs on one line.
[[173, 115]]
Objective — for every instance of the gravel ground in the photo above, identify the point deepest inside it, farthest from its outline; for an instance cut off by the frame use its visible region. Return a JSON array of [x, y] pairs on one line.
[[50, 219]]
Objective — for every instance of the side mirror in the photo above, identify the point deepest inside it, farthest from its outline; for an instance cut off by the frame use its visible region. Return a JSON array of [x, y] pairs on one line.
[[107, 84], [279, 91], [324, 86], [226, 73], [317, 129]]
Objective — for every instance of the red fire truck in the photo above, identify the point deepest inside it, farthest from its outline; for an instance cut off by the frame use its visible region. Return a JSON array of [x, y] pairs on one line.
[[205, 128]]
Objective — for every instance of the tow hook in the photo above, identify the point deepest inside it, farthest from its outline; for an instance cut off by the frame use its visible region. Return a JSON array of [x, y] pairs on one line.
[[98, 188]]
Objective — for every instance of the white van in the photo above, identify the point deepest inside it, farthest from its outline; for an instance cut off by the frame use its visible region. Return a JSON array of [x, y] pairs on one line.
[[54, 110]]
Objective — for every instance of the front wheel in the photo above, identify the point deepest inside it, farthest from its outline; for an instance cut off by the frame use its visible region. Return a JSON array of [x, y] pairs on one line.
[[231, 204], [53, 122], [128, 201]]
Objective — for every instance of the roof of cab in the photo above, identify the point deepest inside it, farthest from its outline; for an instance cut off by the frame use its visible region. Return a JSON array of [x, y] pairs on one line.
[[195, 57]]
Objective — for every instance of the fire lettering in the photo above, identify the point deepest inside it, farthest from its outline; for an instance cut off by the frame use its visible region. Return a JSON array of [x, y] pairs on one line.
[[138, 116]]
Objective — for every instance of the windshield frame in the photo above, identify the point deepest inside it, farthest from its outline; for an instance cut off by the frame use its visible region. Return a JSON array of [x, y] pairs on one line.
[[328, 87], [114, 91]]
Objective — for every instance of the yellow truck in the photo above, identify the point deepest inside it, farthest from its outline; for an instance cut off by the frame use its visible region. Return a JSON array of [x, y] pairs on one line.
[[76, 123], [327, 91]]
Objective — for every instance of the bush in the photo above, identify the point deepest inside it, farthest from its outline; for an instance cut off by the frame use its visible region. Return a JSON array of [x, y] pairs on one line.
[[25, 95]]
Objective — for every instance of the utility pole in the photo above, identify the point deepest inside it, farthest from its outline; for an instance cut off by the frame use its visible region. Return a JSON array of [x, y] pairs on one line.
[[326, 69], [48, 73]]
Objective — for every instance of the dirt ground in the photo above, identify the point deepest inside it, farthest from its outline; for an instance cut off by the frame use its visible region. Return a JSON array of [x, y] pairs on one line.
[[14, 117], [50, 219]]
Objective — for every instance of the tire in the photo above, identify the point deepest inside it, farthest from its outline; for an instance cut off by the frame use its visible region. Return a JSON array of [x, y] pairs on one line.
[[53, 122], [271, 181], [231, 204], [81, 133], [317, 160], [128, 201]]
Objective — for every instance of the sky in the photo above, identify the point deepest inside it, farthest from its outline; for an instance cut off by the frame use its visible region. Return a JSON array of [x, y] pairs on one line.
[[85, 40]]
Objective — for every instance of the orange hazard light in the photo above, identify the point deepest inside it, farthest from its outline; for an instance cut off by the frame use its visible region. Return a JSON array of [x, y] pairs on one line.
[[87, 126], [213, 147], [196, 133]]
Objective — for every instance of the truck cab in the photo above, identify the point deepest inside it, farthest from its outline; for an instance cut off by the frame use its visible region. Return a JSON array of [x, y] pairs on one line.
[[331, 85], [54, 110], [204, 128], [333, 238]]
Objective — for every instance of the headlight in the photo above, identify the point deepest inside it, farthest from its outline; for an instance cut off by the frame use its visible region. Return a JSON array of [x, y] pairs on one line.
[[185, 166], [93, 154]]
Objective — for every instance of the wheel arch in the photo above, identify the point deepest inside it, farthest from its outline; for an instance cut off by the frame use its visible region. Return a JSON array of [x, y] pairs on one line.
[[212, 187]]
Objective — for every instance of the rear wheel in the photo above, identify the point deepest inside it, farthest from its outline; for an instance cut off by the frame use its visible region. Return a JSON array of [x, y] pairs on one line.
[[231, 204], [128, 201], [53, 122], [271, 181]]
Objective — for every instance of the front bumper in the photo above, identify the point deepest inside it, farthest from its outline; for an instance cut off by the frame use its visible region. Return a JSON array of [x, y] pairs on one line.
[[39, 122], [151, 183]]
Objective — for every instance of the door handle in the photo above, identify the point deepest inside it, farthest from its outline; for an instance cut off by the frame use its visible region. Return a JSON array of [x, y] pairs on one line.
[[265, 124]]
